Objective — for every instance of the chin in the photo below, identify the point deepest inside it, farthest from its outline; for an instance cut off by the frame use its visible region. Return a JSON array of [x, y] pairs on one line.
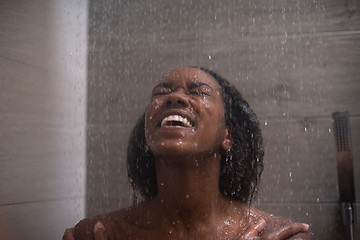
[[172, 149]]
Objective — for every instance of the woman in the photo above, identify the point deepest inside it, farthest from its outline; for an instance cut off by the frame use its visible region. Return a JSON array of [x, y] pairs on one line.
[[196, 157]]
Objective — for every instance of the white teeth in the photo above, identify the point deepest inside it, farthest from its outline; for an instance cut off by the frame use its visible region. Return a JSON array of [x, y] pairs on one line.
[[176, 118]]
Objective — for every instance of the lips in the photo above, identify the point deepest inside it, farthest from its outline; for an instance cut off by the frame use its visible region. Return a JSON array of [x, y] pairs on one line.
[[176, 120], [179, 118]]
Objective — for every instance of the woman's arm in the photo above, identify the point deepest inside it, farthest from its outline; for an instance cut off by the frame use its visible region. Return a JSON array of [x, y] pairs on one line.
[[293, 231], [99, 233]]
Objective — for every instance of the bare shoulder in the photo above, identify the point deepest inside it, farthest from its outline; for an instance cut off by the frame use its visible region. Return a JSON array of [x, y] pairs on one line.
[[84, 230], [120, 224], [275, 223]]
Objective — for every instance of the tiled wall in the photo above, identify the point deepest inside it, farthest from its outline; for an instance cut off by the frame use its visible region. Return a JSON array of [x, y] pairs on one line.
[[295, 61], [43, 55]]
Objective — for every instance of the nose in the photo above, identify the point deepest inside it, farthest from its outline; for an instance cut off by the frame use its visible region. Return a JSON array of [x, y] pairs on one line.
[[177, 99]]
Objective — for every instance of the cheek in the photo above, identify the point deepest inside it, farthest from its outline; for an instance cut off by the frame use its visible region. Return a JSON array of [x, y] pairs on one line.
[[216, 120], [153, 108], [215, 109], [206, 102], [154, 105], [151, 112]]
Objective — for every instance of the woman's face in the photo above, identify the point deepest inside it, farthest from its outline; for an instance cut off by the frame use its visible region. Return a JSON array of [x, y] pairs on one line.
[[185, 115]]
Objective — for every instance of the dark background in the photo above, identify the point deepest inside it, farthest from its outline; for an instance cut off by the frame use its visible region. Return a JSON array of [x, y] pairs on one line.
[[294, 61]]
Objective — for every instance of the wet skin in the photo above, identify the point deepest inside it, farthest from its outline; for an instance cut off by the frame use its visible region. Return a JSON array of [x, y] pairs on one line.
[[193, 94], [187, 155], [138, 223]]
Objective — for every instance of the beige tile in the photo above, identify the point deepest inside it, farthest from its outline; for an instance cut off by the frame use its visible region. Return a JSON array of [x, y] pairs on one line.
[[50, 36], [41, 177], [40, 220], [42, 100], [42, 127]]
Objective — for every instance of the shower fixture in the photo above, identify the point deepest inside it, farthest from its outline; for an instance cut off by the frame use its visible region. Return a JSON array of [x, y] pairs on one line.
[[345, 169]]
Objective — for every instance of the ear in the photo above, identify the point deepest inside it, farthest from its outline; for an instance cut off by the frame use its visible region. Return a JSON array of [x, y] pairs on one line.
[[226, 143]]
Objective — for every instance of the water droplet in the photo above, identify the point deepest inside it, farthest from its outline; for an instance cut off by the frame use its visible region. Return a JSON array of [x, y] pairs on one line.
[[187, 196], [209, 57], [265, 123], [317, 199], [290, 174]]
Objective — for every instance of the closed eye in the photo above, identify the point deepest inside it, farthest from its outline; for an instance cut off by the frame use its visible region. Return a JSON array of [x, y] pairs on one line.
[[199, 92], [200, 88], [160, 91]]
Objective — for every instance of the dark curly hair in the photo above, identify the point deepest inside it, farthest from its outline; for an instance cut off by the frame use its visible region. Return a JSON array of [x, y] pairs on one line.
[[241, 166]]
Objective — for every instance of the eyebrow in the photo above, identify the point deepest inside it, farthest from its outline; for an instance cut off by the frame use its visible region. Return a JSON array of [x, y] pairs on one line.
[[199, 84], [163, 84], [191, 85]]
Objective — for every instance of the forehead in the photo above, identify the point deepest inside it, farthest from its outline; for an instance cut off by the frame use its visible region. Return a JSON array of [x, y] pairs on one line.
[[188, 75]]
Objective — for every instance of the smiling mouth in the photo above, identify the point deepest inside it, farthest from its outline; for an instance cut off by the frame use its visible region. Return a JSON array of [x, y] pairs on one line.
[[176, 120]]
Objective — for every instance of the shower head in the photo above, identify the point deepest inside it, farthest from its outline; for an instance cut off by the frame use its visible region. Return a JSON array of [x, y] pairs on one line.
[[344, 156], [345, 169]]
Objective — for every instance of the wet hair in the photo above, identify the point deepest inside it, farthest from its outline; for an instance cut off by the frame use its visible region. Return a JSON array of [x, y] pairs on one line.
[[241, 167]]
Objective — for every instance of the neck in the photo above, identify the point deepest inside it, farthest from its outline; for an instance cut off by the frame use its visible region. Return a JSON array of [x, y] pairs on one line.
[[188, 188]]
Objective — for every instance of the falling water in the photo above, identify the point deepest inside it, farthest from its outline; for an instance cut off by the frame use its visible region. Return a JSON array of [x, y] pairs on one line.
[[288, 58]]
